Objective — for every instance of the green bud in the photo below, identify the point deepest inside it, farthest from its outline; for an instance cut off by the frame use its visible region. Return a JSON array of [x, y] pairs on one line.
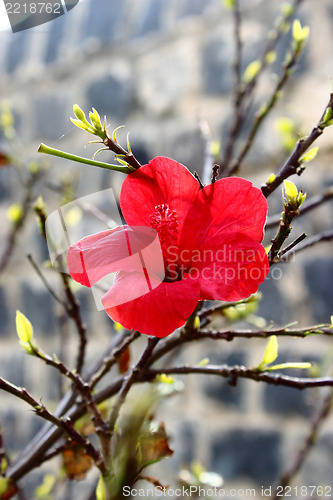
[[270, 57], [300, 35], [271, 179], [251, 71], [228, 4], [287, 9], [15, 213], [196, 323], [80, 115]]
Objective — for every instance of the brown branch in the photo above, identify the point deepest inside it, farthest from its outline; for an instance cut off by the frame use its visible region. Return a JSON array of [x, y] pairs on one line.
[[308, 444], [292, 165], [64, 424], [233, 373]]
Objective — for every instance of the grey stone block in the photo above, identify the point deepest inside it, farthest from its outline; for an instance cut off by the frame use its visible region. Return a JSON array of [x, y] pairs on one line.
[[318, 466], [318, 276], [112, 93], [4, 313], [247, 454], [151, 16], [287, 401], [55, 39], [50, 116], [17, 51], [104, 20], [38, 305], [194, 7], [12, 366], [216, 66], [218, 388], [9, 422]]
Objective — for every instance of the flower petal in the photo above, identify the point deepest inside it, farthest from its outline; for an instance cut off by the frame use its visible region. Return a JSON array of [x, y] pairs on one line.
[[230, 268], [156, 313], [161, 181], [231, 205], [123, 248]]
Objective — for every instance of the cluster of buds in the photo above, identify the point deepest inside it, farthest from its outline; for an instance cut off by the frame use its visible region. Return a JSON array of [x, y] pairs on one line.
[[291, 197], [95, 125]]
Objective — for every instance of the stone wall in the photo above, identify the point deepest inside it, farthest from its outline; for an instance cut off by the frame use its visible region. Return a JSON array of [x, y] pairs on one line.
[[160, 67]]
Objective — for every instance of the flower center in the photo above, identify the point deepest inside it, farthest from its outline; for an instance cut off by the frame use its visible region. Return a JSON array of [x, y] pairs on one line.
[[165, 222]]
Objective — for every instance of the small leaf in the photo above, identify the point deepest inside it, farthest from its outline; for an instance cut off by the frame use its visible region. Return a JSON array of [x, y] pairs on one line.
[[300, 34], [114, 133], [124, 361], [290, 190], [203, 362], [228, 4], [271, 351], [76, 461], [310, 155], [155, 446], [44, 490], [284, 366], [7, 488], [100, 490], [165, 379], [271, 179], [23, 328]]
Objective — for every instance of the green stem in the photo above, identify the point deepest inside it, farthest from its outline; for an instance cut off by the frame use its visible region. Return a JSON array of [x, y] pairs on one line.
[[43, 148]]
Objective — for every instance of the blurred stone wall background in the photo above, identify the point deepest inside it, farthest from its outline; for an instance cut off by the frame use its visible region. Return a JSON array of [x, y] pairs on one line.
[[160, 67]]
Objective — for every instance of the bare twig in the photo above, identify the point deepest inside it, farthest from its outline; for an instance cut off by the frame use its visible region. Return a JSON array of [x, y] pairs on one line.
[[308, 444], [109, 361], [17, 226], [314, 240], [130, 379], [64, 424], [244, 94], [265, 110]]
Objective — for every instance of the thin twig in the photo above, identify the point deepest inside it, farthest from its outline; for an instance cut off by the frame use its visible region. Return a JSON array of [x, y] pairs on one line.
[[314, 240], [73, 310], [308, 444], [64, 424], [265, 110], [245, 93], [130, 379], [292, 165], [109, 361], [17, 226], [292, 245], [45, 282]]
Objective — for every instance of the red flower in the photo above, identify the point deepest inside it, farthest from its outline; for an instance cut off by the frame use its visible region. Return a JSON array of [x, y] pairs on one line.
[[208, 247]]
